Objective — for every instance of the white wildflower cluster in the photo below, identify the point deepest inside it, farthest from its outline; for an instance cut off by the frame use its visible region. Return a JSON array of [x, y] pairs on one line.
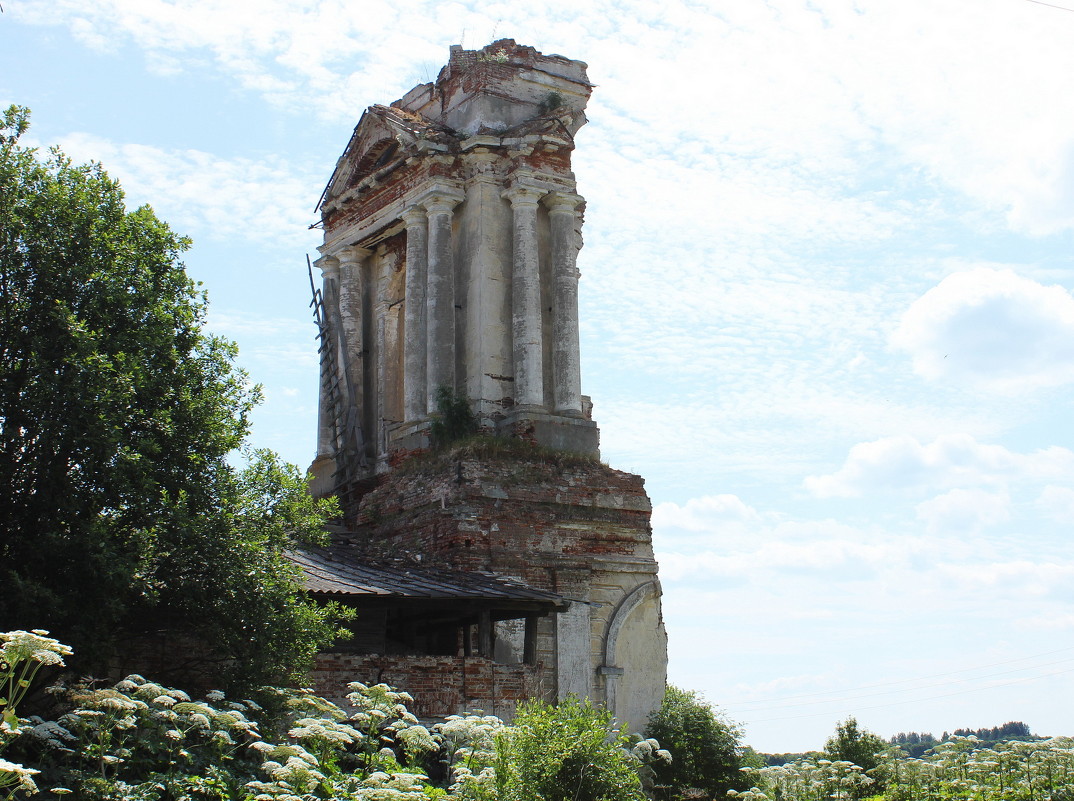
[[752, 794], [30, 646], [469, 742], [305, 704], [804, 779], [299, 773], [378, 698], [468, 784], [292, 771], [416, 738], [959, 767], [382, 717], [326, 731], [105, 715], [383, 786], [648, 750], [22, 655], [16, 777]]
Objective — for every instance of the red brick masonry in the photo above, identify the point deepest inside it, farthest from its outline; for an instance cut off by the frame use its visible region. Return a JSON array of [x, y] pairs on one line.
[[441, 685]]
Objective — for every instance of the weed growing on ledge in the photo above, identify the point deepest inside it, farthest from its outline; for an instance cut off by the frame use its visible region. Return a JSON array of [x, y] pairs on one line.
[[453, 420]]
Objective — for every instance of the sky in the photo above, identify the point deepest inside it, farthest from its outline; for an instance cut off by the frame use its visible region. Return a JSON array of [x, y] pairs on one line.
[[826, 299]]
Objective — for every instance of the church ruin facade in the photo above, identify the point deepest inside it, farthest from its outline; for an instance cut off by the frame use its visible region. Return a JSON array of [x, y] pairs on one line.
[[452, 226]]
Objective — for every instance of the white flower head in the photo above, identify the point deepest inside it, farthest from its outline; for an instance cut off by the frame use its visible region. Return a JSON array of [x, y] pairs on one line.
[[31, 646]]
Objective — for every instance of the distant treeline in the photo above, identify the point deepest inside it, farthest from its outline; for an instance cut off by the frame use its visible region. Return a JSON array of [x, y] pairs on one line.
[[917, 743]]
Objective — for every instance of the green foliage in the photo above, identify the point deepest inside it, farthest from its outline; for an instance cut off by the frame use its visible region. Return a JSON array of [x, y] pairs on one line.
[[705, 747], [850, 743], [567, 752], [118, 412], [453, 419], [959, 769], [141, 741]]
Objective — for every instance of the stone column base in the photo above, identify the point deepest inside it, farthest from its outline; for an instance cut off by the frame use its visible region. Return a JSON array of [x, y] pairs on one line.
[[562, 433]]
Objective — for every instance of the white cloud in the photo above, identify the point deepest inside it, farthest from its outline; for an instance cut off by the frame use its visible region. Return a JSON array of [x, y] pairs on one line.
[[964, 511], [1023, 577], [850, 559], [991, 329], [984, 111], [260, 203], [953, 460], [1058, 503], [699, 514], [251, 326]]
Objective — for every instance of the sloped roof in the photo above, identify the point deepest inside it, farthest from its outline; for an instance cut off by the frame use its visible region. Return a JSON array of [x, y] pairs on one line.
[[335, 571]]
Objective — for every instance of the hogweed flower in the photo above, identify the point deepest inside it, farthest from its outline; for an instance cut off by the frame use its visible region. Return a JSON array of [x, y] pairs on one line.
[[14, 776]]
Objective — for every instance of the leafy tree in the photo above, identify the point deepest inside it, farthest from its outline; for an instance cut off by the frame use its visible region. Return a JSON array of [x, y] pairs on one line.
[[853, 744], [118, 412], [705, 747]]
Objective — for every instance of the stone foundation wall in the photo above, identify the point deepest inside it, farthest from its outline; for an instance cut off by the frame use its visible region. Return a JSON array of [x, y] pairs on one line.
[[441, 685]]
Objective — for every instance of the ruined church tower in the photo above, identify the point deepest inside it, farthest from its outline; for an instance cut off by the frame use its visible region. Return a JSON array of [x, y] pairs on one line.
[[452, 226]]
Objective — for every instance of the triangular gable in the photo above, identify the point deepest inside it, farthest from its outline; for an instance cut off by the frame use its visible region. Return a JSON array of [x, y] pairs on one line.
[[382, 135]]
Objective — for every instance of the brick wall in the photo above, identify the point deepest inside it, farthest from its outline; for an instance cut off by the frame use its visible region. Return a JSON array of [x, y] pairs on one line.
[[520, 516], [441, 685]]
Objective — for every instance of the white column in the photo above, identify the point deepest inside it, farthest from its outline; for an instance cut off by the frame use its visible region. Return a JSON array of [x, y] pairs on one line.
[[415, 346], [380, 351], [351, 302], [329, 267], [574, 665], [440, 294], [527, 347], [566, 367]]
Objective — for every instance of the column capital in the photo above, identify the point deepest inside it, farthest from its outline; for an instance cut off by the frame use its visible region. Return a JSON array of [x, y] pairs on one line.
[[414, 215], [352, 254], [522, 195], [563, 202], [481, 167], [328, 265], [440, 197]]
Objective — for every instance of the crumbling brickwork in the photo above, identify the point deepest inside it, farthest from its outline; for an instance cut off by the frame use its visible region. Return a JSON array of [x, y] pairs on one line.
[[561, 523], [440, 685]]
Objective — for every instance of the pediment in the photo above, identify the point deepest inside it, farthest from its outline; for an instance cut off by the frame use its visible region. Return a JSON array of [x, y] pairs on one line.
[[384, 135]]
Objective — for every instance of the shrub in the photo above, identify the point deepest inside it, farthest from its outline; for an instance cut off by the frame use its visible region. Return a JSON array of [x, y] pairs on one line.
[[705, 748], [567, 752]]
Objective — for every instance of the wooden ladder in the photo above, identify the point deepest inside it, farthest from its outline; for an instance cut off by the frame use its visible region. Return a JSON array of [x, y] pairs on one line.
[[337, 387]]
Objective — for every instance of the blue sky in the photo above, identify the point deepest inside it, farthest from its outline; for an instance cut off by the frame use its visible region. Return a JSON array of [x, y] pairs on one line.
[[826, 303]]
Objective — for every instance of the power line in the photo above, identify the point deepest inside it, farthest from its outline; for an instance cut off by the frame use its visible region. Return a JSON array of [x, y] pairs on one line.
[[918, 700], [909, 689], [780, 699], [1061, 8]]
